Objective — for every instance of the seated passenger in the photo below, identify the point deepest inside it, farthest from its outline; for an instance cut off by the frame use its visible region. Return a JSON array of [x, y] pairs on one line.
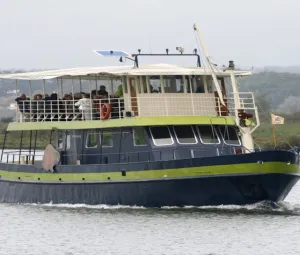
[[102, 91], [23, 106]]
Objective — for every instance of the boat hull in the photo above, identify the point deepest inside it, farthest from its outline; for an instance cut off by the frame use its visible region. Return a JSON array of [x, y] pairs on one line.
[[239, 190], [237, 182]]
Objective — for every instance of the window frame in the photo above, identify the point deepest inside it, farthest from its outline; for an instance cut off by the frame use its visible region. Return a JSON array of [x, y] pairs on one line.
[[133, 137], [154, 139], [87, 137], [214, 130], [196, 140], [239, 140], [101, 139]]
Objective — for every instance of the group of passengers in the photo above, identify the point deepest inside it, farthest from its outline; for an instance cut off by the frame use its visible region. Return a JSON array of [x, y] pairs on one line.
[[79, 106]]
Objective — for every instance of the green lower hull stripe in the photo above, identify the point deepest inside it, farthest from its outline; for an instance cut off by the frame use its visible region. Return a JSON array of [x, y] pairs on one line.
[[219, 170]]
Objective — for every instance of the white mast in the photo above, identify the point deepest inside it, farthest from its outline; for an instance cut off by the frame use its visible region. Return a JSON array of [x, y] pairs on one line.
[[217, 86]]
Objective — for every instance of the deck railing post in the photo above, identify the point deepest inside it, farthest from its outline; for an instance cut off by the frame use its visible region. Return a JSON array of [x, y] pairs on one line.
[[34, 148], [20, 150], [30, 138]]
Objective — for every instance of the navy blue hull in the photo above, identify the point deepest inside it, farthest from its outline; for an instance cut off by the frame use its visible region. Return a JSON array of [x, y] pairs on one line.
[[177, 192]]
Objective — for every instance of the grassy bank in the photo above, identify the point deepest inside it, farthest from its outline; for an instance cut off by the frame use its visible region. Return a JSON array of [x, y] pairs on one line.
[[286, 134]]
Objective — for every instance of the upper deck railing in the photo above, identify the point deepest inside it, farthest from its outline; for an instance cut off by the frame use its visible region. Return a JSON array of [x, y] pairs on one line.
[[143, 105]]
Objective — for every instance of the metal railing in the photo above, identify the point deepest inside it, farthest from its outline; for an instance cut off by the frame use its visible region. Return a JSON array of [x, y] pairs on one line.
[[143, 105], [25, 157]]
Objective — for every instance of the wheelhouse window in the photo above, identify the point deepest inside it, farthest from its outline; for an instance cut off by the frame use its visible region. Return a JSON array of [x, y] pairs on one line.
[[154, 82], [209, 81], [185, 135], [208, 135], [107, 139], [229, 135], [139, 136], [161, 136], [173, 84], [197, 84], [92, 139]]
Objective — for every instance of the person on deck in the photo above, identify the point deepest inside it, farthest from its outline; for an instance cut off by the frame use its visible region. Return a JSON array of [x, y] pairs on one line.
[[23, 106], [102, 91], [85, 105]]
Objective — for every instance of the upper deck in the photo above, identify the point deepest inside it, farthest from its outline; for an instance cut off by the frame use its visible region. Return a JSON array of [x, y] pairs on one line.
[[150, 91]]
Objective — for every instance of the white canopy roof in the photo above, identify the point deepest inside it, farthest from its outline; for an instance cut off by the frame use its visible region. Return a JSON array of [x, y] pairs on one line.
[[84, 72]]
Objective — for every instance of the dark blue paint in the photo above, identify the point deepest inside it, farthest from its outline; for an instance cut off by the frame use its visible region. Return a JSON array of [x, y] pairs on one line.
[[196, 191]]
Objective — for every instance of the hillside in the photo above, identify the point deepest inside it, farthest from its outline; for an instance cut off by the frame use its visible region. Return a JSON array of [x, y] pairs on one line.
[[274, 87]]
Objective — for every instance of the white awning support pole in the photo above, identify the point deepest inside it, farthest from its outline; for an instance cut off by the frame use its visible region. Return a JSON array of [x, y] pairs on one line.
[[61, 88], [91, 102], [30, 98], [111, 86], [44, 86], [73, 101], [30, 93], [217, 86], [17, 103]]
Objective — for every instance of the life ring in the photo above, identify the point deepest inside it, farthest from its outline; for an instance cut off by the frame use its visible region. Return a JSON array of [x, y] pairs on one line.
[[105, 115]]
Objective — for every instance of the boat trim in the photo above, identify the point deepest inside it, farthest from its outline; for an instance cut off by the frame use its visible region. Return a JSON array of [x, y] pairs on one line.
[[162, 174], [126, 122]]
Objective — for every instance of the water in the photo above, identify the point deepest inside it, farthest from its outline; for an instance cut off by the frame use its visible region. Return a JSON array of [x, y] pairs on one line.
[[264, 228]]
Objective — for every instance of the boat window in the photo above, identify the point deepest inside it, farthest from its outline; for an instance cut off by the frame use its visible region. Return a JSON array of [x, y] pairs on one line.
[[197, 84], [188, 84], [208, 135], [68, 145], [161, 136], [92, 139], [143, 84], [107, 139], [229, 135], [185, 135], [139, 136], [209, 81], [154, 82], [60, 140], [173, 84]]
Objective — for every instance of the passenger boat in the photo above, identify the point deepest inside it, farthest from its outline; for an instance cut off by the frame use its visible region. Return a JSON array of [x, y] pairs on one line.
[[163, 135]]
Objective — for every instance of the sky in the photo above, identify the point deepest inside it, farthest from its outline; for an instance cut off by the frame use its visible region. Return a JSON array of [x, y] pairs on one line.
[[63, 33]]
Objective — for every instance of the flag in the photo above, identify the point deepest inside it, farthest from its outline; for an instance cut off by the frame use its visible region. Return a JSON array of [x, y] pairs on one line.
[[277, 119]]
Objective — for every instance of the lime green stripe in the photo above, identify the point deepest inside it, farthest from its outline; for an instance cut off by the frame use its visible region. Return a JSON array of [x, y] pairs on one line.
[[126, 122], [252, 168]]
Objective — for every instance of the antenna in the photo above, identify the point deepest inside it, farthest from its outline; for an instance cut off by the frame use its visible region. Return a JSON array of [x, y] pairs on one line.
[[210, 65]]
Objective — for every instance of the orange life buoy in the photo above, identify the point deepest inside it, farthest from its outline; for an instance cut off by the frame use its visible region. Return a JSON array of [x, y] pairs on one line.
[[105, 115]]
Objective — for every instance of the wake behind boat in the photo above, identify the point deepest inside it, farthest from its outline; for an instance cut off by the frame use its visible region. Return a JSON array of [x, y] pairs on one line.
[[162, 135]]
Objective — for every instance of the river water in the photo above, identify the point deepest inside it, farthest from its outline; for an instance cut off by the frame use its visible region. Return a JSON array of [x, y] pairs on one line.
[[262, 228]]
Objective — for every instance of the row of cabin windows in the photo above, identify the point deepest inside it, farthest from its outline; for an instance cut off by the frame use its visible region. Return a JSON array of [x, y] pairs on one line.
[[161, 136], [106, 139], [171, 84], [186, 135]]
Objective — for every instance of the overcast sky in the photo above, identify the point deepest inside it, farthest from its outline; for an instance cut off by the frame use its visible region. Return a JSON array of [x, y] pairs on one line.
[[63, 33]]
